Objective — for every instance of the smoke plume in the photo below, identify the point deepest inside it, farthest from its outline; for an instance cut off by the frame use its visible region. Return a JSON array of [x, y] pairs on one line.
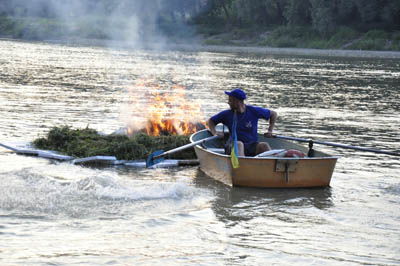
[[138, 22]]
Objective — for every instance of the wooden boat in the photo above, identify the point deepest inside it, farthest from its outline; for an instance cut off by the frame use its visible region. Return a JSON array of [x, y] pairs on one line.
[[266, 172]]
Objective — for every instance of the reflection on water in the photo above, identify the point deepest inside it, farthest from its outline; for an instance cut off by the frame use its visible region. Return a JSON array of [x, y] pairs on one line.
[[233, 204], [180, 216]]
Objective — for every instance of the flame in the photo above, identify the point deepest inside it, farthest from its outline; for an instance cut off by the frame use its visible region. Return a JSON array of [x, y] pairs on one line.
[[163, 111]]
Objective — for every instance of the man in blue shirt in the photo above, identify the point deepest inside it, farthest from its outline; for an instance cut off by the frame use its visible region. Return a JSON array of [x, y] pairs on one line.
[[247, 122]]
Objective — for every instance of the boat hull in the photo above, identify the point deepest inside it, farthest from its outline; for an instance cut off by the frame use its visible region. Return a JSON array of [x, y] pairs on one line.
[[267, 172]]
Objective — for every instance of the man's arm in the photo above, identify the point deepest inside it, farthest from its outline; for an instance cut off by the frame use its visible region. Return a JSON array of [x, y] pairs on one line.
[[213, 130], [272, 121], [211, 127]]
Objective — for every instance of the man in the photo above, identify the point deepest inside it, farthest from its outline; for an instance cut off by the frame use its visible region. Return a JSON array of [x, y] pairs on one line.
[[247, 121]]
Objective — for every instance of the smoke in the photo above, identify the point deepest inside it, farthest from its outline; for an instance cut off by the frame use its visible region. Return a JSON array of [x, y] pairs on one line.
[[138, 22]]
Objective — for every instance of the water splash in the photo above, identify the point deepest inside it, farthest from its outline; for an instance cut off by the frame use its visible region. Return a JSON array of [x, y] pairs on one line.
[[26, 192]]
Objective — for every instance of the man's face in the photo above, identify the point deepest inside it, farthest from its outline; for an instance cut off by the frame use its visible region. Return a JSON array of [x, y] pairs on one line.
[[233, 103]]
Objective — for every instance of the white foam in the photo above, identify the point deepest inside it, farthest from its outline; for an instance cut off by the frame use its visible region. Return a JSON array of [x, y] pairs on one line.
[[28, 192]]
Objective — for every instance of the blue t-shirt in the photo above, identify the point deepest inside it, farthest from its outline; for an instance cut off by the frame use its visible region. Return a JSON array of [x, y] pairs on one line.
[[247, 122]]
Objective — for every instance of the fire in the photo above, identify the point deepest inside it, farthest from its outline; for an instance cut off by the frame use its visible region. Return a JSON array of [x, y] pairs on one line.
[[163, 111]]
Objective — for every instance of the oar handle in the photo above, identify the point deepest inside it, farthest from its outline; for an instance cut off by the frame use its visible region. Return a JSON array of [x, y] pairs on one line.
[[186, 146], [337, 145]]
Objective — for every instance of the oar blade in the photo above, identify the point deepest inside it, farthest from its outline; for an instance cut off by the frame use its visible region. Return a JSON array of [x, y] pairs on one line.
[[157, 156], [154, 158]]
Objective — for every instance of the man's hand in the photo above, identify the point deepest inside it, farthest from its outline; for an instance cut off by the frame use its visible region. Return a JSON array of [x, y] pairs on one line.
[[213, 130], [272, 121], [220, 134], [268, 134]]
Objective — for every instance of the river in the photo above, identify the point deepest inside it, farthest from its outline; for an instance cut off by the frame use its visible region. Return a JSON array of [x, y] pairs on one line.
[[54, 213]]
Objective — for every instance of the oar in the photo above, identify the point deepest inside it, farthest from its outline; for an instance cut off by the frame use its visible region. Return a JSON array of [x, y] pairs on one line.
[[158, 156], [338, 145]]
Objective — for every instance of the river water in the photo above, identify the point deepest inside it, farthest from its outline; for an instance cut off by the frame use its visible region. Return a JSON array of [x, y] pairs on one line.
[[54, 213]]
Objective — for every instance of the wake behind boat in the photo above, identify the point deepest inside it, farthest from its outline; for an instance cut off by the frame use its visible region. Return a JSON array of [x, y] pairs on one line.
[[266, 172]]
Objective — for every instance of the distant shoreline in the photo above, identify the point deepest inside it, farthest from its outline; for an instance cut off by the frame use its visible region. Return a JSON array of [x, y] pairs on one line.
[[196, 47], [291, 51]]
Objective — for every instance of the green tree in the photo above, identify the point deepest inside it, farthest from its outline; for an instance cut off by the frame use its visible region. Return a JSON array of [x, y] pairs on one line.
[[298, 12], [216, 12], [346, 11], [275, 10], [323, 16], [390, 14], [369, 10], [249, 12]]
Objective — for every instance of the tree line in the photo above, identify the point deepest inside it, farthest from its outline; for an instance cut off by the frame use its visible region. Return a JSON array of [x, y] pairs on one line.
[[180, 10], [323, 15], [37, 19]]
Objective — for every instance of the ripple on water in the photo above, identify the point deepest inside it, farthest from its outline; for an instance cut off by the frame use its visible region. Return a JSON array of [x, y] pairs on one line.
[[181, 216]]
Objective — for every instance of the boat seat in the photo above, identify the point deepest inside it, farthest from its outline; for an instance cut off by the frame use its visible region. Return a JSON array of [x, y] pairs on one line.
[[282, 153], [272, 153], [217, 150]]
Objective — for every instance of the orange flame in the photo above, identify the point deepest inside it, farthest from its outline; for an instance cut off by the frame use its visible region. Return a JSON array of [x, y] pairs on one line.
[[159, 111]]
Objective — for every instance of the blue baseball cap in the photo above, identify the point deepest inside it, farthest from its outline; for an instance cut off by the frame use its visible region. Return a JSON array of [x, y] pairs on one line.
[[237, 93]]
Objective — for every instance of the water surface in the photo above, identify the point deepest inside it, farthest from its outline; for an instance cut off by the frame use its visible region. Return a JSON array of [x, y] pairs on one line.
[[63, 214]]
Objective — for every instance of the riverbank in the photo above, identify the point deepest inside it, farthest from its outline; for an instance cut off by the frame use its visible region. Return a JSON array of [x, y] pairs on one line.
[[197, 45], [283, 40], [203, 35], [289, 51]]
